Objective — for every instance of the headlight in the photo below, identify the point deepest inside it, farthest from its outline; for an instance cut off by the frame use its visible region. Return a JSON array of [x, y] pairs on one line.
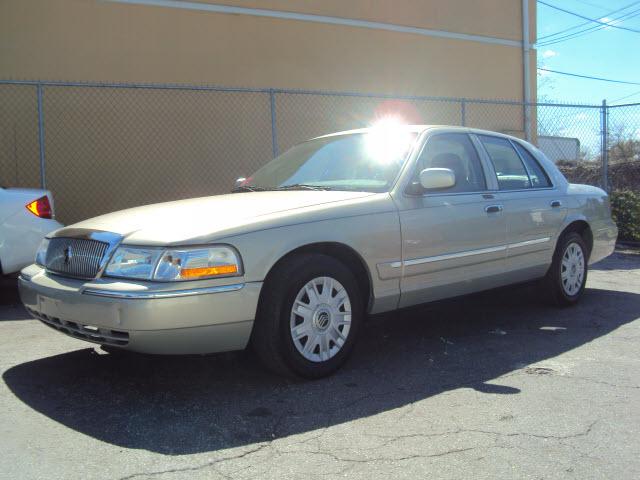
[[177, 264], [41, 254], [133, 262]]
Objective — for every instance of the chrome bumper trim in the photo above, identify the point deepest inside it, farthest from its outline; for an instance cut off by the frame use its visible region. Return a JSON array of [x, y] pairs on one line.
[[145, 295]]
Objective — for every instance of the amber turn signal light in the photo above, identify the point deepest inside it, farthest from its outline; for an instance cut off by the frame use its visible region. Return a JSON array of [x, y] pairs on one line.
[[208, 271]]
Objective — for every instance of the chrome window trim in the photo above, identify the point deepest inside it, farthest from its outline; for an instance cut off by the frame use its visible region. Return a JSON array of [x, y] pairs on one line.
[[535, 160], [491, 178], [412, 168], [524, 164], [485, 192], [452, 194], [468, 253], [510, 142], [527, 190], [408, 160], [146, 295]]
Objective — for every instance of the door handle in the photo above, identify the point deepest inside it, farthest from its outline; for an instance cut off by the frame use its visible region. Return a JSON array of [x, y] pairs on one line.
[[493, 208], [556, 204]]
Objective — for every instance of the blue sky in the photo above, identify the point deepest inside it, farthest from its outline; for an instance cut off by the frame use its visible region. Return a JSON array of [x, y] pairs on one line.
[[607, 52]]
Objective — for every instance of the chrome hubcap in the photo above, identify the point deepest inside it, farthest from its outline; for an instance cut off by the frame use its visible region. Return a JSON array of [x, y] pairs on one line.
[[320, 319], [572, 269]]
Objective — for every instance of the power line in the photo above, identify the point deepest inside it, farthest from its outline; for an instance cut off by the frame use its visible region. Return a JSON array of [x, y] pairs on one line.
[[626, 96], [586, 31], [587, 18], [608, 14], [588, 77]]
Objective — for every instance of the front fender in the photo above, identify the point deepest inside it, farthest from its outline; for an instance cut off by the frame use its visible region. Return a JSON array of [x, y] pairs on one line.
[[375, 237]]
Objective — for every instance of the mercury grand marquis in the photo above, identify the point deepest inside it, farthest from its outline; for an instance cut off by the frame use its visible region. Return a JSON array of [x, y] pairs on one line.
[[334, 229]]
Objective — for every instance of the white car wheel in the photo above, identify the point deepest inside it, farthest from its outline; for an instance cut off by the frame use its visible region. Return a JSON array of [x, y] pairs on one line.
[[572, 269], [320, 319]]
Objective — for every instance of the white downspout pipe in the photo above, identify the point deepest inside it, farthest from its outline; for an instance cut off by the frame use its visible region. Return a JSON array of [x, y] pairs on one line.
[[526, 70]]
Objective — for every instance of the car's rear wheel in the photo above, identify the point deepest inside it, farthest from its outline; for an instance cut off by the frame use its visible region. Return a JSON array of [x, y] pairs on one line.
[[308, 316], [566, 279]]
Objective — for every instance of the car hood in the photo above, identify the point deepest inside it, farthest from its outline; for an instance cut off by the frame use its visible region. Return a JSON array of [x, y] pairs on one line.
[[202, 219]]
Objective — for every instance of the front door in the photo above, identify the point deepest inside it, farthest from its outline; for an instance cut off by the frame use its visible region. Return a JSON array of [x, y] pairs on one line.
[[453, 240]]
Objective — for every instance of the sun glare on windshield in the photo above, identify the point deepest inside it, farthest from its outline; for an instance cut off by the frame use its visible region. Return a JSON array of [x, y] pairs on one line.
[[388, 140]]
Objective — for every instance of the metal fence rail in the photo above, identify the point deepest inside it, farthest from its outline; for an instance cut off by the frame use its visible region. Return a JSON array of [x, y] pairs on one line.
[[106, 146]]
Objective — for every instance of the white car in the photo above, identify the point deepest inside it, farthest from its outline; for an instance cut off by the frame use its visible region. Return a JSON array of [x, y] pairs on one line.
[[26, 216]]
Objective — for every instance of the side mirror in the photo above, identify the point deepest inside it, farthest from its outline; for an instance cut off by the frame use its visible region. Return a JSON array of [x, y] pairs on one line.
[[437, 178], [240, 181]]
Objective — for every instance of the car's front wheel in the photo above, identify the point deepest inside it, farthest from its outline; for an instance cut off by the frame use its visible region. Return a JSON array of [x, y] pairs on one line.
[[566, 279], [308, 316]]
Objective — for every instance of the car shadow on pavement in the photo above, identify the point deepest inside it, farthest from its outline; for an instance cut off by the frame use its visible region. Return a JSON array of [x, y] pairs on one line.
[[628, 259], [12, 309], [9, 291], [185, 405]]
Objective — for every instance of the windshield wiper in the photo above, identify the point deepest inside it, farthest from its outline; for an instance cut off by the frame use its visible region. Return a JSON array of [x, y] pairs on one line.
[[293, 186], [303, 186], [248, 188]]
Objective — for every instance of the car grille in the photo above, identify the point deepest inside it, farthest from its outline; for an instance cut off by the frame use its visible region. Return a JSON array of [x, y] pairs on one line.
[[103, 336], [75, 257]]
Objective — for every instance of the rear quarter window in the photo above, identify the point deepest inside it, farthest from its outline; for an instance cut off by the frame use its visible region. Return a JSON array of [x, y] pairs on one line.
[[539, 178], [510, 171]]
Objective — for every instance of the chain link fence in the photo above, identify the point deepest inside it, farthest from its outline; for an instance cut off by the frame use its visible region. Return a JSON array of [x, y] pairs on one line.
[[105, 147]]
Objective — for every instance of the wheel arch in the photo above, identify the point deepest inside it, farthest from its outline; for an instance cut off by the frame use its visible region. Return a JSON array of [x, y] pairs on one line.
[[581, 227], [341, 252]]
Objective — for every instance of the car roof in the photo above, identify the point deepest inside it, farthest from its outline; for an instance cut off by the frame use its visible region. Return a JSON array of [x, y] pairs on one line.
[[422, 128]]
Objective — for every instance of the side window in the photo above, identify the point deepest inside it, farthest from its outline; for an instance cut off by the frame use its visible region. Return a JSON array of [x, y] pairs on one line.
[[456, 152], [509, 168], [539, 178]]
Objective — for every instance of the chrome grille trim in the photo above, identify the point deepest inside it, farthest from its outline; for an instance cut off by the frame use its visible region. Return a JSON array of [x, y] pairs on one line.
[[75, 257], [95, 249]]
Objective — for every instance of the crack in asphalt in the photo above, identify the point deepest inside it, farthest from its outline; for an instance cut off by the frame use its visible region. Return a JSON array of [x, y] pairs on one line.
[[395, 438], [601, 382], [212, 463], [390, 439]]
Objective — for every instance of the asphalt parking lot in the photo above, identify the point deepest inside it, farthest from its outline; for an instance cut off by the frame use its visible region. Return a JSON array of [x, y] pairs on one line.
[[490, 386]]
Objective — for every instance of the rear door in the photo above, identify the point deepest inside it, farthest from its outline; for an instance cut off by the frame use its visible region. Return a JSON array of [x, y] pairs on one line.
[[532, 205]]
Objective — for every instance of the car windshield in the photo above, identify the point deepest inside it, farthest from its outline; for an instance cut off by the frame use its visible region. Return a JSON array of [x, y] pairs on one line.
[[368, 161]]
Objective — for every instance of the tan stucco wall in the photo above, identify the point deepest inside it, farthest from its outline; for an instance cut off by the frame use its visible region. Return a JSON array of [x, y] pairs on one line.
[[104, 41], [493, 18]]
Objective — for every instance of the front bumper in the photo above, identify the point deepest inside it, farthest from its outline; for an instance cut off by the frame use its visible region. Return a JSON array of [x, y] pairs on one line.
[[190, 318]]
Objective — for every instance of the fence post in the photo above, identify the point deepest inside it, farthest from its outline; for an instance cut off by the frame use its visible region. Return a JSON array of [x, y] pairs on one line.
[[43, 178], [463, 113], [274, 128], [605, 145]]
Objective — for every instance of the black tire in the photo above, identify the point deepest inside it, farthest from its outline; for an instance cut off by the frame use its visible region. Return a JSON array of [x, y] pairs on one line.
[[554, 287], [271, 338]]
